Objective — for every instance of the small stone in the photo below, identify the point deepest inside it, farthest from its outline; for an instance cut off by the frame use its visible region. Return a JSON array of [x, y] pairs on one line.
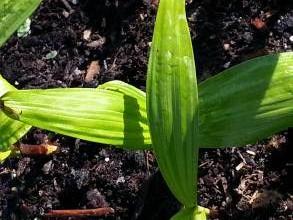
[[75, 2], [14, 189], [65, 14], [87, 35], [107, 159], [24, 30], [120, 179], [47, 167], [291, 38], [51, 55], [226, 65], [13, 174], [226, 46]]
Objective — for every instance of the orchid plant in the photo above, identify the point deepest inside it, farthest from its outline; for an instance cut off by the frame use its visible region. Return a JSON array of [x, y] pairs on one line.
[[174, 118]]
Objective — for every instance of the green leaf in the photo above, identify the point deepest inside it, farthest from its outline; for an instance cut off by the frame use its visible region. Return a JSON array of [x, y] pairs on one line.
[[10, 130], [223, 123], [13, 13], [124, 88], [172, 102], [96, 115], [247, 102], [244, 124], [198, 213], [4, 155]]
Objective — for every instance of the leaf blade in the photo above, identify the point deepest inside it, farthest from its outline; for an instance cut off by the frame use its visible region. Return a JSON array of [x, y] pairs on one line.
[[12, 14], [172, 102], [247, 102], [96, 115], [11, 130]]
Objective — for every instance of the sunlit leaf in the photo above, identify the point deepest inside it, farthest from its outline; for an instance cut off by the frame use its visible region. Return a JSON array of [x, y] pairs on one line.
[[13, 13], [10, 130], [97, 115], [247, 102], [172, 102], [4, 155], [216, 128]]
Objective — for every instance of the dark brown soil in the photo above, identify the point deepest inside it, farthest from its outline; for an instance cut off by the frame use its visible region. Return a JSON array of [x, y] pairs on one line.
[[89, 175]]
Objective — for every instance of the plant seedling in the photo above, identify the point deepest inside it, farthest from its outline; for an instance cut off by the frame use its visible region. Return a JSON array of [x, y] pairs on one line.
[[241, 105]]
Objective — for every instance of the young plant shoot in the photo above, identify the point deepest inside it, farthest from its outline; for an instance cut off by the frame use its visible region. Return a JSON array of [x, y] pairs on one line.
[[172, 105], [176, 117]]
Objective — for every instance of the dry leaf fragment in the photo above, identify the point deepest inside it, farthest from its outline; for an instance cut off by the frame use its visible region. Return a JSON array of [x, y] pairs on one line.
[[93, 70], [97, 43], [40, 149], [258, 23]]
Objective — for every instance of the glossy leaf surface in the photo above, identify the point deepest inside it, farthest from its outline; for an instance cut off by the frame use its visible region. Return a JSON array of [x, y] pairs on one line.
[[247, 102], [13, 13], [216, 129], [96, 115], [172, 102]]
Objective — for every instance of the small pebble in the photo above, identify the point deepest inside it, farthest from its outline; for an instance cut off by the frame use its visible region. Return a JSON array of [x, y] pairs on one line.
[[51, 55], [75, 2], [226, 65], [65, 14], [120, 179], [107, 159], [13, 174], [87, 34], [291, 38], [47, 167], [14, 189], [226, 46]]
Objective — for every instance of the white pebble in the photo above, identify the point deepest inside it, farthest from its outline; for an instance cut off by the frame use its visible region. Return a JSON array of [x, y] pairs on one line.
[[226, 46], [291, 38], [120, 180], [107, 159]]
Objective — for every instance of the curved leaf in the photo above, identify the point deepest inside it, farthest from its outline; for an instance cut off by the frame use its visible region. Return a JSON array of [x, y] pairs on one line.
[[124, 88], [91, 114], [172, 102], [10, 130], [4, 155], [247, 102]]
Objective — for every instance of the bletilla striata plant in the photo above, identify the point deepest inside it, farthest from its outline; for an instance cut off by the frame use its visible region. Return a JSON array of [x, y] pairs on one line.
[[176, 116]]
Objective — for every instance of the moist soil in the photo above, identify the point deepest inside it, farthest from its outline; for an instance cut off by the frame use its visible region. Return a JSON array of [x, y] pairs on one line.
[[87, 43]]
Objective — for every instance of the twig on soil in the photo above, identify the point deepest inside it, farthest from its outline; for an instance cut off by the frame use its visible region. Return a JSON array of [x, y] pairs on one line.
[[80, 212], [39, 149], [242, 158]]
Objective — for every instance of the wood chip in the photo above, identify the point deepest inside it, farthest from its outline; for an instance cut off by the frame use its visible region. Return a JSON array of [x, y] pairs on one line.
[[41, 149], [87, 35], [251, 152], [240, 166], [97, 43], [258, 23], [93, 70]]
